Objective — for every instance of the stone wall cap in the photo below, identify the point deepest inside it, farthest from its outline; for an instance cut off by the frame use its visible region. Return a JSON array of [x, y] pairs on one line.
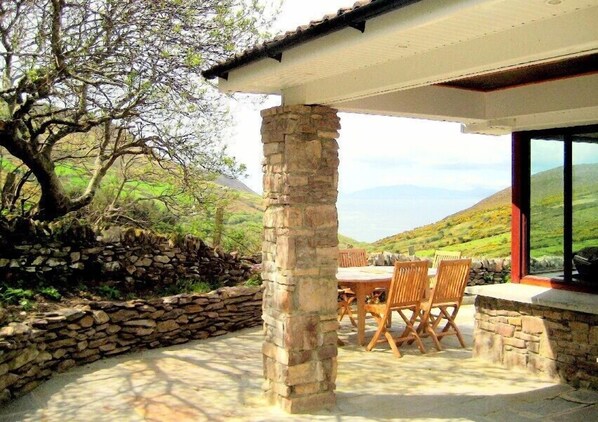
[[536, 295]]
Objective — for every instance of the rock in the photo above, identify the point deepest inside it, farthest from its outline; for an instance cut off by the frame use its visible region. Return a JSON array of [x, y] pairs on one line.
[[75, 256], [100, 317], [65, 365], [38, 261], [141, 323], [165, 326], [7, 380], [144, 262], [86, 322], [123, 315], [138, 331], [24, 357], [162, 259], [55, 262], [112, 266]]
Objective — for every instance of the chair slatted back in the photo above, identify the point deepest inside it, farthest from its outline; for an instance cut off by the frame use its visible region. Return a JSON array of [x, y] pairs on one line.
[[451, 280], [409, 281], [352, 258], [441, 255]]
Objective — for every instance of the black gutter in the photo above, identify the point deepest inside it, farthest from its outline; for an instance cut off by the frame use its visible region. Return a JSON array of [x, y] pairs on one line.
[[354, 18]]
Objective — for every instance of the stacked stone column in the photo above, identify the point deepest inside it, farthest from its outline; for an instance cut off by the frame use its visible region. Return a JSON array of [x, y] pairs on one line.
[[300, 252]]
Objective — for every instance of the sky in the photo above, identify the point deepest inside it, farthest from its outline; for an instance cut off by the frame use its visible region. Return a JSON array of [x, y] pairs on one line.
[[377, 150]]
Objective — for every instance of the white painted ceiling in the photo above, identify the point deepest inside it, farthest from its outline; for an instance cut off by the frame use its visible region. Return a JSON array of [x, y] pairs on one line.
[[395, 65]]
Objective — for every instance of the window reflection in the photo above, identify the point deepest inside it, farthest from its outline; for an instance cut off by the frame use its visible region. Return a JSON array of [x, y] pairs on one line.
[[546, 206], [563, 217]]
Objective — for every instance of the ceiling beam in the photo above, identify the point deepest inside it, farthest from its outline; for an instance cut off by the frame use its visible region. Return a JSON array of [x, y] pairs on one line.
[[430, 102]]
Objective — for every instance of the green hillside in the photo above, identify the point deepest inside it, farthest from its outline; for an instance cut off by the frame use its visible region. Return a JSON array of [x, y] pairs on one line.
[[484, 229]]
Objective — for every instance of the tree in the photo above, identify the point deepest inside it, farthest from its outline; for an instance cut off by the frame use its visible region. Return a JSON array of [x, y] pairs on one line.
[[125, 72]]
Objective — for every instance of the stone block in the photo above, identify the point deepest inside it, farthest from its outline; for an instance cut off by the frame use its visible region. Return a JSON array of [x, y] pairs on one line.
[[301, 332], [166, 326], [488, 346], [532, 325], [514, 342], [515, 359], [305, 404], [285, 252], [505, 330], [302, 373], [317, 295], [579, 331]]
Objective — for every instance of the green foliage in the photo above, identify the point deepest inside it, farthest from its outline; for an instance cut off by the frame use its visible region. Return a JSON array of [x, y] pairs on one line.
[[109, 292], [254, 280], [50, 293], [345, 242], [187, 285], [15, 295]]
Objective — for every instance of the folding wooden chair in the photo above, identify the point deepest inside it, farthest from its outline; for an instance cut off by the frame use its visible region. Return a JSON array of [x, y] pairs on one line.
[[352, 258], [440, 255], [345, 298], [444, 301], [407, 287]]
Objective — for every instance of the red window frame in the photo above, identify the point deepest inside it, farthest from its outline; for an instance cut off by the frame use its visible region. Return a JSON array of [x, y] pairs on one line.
[[520, 208]]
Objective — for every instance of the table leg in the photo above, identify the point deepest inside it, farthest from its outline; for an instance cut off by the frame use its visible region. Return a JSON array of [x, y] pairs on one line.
[[360, 295]]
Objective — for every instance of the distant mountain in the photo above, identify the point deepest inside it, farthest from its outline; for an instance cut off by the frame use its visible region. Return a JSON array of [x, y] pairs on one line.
[[234, 184], [374, 213]]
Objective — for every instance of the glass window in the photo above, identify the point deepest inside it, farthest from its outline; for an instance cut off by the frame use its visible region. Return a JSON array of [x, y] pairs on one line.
[[563, 202], [585, 191], [546, 207]]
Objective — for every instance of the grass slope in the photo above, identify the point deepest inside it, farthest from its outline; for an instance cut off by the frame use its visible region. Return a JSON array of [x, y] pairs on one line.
[[484, 229]]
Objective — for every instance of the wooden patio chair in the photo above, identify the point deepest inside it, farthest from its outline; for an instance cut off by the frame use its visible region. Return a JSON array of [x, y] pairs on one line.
[[444, 302], [354, 257], [440, 255], [346, 297], [406, 292]]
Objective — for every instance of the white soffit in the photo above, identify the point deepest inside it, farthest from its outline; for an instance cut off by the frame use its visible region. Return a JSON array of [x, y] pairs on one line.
[[423, 44]]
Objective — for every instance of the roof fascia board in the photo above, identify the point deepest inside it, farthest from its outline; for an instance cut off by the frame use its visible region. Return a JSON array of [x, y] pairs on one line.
[[348, 19], [384, 26], [569, 35]]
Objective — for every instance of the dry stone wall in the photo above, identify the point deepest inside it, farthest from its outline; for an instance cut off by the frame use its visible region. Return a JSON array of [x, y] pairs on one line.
[[32, 351], [135, 261]]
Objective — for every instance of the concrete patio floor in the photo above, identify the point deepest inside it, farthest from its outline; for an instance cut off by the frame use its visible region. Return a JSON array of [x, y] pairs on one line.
[[220, 380]]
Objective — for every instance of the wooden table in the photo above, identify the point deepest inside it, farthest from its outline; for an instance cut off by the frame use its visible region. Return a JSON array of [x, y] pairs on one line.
[[362, 281]]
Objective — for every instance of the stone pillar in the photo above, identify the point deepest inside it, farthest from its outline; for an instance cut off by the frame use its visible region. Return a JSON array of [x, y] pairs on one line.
[[300, 252]]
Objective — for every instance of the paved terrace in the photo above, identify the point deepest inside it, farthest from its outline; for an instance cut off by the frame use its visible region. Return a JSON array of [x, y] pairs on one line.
[[220, 380]]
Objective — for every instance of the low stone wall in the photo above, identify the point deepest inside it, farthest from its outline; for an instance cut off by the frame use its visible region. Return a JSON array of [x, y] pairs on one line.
[[483, 271], [33, 351], [560, 344]]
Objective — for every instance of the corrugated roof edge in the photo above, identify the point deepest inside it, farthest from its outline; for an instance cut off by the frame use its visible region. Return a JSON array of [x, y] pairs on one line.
[[349, 17]]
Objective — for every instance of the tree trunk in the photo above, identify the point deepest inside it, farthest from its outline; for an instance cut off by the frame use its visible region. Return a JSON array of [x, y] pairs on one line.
[[54, 201]]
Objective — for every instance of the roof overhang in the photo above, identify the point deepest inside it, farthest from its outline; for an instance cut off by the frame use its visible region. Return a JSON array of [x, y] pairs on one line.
[[438, 60]]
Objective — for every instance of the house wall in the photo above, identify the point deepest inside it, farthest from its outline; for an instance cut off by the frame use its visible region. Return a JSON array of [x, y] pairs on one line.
[[558, 343]]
